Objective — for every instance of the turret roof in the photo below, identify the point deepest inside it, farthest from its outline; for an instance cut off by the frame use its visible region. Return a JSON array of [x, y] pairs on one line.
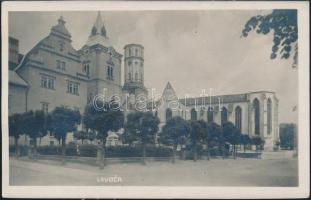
[[98, 33]]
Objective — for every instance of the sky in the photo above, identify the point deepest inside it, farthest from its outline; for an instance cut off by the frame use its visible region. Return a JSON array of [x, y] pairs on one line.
[[193, 50]]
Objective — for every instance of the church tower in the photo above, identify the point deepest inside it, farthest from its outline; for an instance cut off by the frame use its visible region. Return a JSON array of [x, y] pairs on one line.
[[134, 73], [101, 63]]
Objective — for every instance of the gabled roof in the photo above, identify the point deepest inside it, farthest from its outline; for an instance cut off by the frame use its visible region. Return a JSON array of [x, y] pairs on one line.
[[14, 78], [60, 29], [169, 93]]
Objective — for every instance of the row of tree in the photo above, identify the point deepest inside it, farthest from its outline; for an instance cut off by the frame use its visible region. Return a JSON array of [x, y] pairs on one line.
[[37, 124], [177, 132], [139, 127]]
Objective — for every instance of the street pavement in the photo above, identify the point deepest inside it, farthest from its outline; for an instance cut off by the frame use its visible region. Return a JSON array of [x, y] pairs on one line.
[[215, 172]]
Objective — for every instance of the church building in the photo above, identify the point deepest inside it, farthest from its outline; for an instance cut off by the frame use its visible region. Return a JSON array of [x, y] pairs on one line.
[[53, 74]]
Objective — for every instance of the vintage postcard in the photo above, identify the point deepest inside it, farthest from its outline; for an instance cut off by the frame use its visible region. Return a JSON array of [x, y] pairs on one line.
[[155, 99]]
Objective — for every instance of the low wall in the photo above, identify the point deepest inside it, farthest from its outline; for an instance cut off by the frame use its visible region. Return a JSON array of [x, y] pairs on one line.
[[93, 160]]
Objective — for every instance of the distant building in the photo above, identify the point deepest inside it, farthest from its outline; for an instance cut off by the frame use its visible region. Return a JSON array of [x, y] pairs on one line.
[[53, 74]]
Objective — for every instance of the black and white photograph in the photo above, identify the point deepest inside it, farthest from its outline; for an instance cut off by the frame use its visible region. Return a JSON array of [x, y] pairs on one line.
[[155, 96]]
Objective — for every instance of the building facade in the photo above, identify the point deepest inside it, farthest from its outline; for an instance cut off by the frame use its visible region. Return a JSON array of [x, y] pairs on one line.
[[53, 74], [254, 113]]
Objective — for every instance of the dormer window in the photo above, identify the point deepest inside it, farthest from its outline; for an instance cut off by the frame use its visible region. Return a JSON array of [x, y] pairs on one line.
[[86, 69], [61, 45]]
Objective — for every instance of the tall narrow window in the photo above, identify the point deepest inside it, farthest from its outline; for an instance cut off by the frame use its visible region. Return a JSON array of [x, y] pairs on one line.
[[238, 118], [58, 64], [86, 69], [168, 114], [269, 116], [130, 76], [109, 73], [136, 52], [63, 66], [136, 76], [61, 45], [224, 115], [193, 114], [210, 115], [256, 116]]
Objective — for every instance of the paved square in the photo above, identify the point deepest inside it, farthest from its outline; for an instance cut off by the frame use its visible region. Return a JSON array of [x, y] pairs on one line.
[[216, 172]]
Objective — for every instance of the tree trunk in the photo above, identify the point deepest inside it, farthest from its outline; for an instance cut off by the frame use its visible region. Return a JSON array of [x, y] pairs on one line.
[[104, 153], [144, 154], [195, 157], [64, 151], [101, 154], [208, 152], [100, 157], [174, 153], [16, 147], [35, 148], [223, 151], [183, 157], [234, 151]]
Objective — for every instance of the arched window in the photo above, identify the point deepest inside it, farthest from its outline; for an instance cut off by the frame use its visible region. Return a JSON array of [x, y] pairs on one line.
[[130, 52], [156, 113], [256, 116], [136, 52], [194, 114], [130, 76], [210, 115], [238, 118], [269, 116], [224, 115], [168, 114], [136, 76]]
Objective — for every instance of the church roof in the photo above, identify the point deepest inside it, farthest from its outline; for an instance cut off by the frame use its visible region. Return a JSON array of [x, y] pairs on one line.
[[14, 78], [98, 33], [169, 93], [214, 99]]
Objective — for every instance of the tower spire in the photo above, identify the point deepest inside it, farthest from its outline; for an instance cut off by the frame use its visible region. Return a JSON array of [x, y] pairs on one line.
[[98, 33], [98, 27]]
